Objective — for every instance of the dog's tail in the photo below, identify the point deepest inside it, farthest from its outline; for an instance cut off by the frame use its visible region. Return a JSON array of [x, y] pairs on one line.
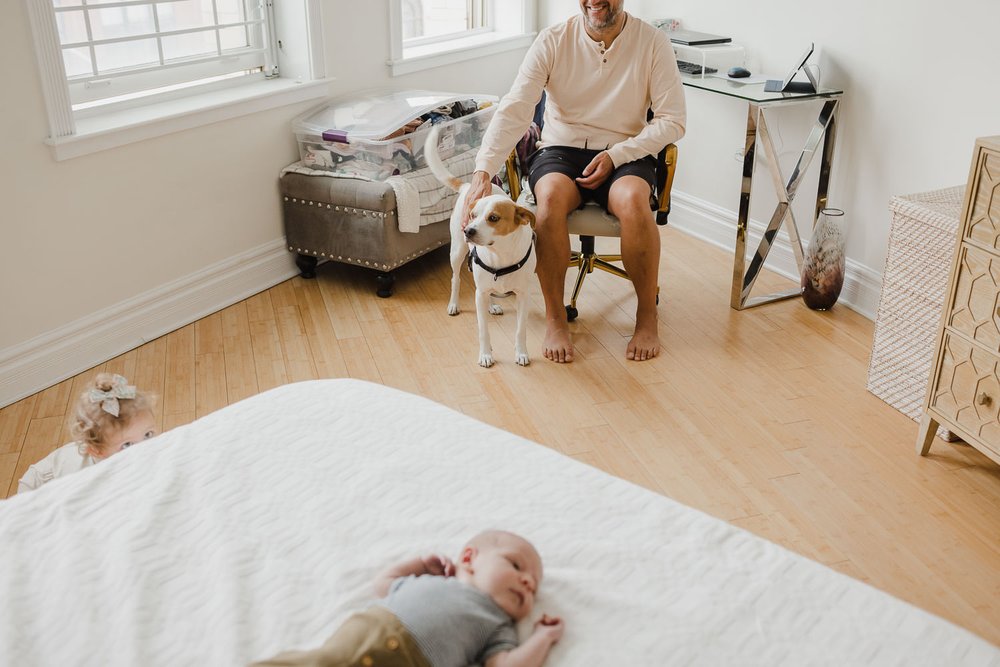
[[434, 161]]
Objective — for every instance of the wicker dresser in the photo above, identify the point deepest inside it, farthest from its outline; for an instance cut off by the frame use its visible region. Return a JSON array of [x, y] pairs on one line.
[[964, 389]]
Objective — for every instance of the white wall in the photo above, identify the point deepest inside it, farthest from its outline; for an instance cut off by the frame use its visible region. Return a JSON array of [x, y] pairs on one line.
[[98, 232]]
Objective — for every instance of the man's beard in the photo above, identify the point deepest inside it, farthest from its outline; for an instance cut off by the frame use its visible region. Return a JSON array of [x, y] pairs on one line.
[[612, 19]]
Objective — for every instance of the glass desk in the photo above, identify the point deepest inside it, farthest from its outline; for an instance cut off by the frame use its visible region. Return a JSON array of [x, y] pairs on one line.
[[825, 129]]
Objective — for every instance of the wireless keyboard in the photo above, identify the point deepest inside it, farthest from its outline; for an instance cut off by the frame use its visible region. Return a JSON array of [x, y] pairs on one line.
[[694, 68]]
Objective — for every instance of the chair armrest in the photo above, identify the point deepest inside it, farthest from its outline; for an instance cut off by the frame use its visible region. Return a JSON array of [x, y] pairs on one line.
[[513, 175], [669, 165]]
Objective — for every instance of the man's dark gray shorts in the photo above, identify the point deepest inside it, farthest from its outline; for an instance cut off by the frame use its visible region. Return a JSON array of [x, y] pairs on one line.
[[572, 162]]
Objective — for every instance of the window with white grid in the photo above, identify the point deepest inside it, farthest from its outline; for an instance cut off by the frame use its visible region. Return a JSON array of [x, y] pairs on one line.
[[114, 72], [430, 33], [429, 21], [116, 50]]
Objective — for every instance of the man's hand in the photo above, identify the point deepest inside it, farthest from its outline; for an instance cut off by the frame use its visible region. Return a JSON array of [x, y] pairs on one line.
[[597, 171], [480, 187]]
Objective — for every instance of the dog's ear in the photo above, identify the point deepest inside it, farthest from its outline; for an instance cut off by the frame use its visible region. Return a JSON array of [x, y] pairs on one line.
[[524, 216]]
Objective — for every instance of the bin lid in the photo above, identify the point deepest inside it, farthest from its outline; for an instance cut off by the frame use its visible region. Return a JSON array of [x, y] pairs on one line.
[[938, 208], [371, 116]]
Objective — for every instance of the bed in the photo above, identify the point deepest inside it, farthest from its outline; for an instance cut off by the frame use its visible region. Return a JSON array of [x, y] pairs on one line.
[[259, 527]]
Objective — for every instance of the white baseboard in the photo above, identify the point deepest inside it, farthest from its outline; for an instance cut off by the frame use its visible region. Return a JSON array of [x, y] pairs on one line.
[[716, 225], [45, 360]]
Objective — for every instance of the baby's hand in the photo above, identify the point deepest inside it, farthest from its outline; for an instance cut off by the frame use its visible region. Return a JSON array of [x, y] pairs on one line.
[[439, 565], [552, 626]]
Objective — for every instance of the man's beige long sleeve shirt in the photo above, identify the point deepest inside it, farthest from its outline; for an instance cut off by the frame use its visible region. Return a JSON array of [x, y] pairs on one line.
[[597, 97]]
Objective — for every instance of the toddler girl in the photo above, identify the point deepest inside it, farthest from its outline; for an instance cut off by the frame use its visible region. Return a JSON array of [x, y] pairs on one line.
[[110, 416]]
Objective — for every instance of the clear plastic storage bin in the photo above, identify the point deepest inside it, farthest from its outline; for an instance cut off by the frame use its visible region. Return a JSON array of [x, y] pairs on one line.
[[368, 135]]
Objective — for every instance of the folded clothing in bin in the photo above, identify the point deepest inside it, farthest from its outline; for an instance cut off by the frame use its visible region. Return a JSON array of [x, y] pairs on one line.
[[379, 135]]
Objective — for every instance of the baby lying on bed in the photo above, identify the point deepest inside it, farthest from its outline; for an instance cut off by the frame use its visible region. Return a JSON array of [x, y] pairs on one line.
[[436, 613]]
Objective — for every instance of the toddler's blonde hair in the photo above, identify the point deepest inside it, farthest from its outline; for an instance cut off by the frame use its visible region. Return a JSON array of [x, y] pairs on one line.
[[91, 422]]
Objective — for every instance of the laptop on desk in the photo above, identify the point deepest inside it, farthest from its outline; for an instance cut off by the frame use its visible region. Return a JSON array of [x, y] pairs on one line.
[[786, 85], [692, 38]]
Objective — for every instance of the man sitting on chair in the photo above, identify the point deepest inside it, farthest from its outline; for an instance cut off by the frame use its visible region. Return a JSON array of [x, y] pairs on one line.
[[601, 73]]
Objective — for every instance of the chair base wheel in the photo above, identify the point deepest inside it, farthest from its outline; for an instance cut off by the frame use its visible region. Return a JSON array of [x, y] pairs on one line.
[[571, 313]]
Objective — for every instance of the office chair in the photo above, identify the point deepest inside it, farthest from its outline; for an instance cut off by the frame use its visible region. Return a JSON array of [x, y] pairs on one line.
[[591, 220]]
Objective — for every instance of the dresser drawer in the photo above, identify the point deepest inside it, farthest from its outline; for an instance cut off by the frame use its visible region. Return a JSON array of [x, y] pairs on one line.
[[967, 391], [983, 219], [975, 311]]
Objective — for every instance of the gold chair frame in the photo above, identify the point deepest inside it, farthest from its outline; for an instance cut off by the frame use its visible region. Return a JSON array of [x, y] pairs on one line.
[[587, 258]]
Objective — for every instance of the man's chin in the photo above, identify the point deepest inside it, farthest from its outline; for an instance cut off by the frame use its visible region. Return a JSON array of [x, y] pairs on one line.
[[603, 23]]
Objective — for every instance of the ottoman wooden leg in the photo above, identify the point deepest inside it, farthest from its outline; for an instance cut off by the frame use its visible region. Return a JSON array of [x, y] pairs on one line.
[[385, 281], [307, 265]]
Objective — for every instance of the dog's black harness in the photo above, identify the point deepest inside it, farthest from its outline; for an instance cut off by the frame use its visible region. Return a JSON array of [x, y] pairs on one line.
[[474, 257]]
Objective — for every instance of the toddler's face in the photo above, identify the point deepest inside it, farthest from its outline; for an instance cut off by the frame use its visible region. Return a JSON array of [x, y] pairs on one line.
[[510, 572], [141, 427]]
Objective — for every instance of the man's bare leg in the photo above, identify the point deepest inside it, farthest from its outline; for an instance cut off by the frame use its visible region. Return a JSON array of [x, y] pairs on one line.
[[556, 196], [628, 201]]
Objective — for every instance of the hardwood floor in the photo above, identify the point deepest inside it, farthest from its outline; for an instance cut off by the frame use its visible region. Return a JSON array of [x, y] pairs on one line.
[[759, 417]]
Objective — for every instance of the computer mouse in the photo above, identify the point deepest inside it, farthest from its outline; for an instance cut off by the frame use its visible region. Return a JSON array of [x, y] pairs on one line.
[[738, 72]]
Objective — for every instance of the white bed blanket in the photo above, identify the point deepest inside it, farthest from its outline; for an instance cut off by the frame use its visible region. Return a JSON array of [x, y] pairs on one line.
[[259, 528]]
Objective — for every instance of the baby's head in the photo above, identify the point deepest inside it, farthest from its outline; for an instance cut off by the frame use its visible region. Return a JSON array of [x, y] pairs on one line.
[[111, 416], [506, 567]]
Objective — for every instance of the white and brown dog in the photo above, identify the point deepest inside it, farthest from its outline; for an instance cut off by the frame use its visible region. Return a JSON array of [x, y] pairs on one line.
[[500, 239]]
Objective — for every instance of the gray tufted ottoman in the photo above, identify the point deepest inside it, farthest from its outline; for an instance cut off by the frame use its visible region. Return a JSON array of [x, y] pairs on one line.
[[351, 221]]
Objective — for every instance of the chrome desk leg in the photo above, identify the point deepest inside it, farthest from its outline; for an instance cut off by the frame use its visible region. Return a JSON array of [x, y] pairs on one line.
[[743, 219], [829, 116], [824, 128], [781, 211]]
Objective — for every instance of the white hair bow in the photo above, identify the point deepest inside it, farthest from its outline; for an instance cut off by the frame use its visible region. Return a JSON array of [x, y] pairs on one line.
[[109, 399]]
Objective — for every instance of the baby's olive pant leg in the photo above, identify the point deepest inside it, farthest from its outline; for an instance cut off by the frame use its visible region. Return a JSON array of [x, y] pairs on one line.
[[371, 638]]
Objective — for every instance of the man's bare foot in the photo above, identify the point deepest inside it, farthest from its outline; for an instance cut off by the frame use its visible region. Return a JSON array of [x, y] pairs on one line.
[[645, 343], [558, 346]]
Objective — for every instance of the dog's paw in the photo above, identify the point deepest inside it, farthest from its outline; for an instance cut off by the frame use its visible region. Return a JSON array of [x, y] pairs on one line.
[[496, 309], [486, 359], [453, 309], [521, 359]]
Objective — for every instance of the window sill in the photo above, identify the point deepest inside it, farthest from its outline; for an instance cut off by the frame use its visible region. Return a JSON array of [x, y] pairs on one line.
[[111, 130], [423, 57]]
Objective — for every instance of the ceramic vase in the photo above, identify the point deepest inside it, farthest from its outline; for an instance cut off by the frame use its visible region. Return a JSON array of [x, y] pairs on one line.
[[824, 262]]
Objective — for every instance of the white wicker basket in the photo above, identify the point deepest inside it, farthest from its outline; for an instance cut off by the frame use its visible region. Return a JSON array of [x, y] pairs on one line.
[[921, 244]]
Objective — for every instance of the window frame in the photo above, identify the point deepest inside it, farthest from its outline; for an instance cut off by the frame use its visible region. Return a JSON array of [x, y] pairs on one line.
[[299, 66], [102, 88], [480, 11], [505, 30]]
